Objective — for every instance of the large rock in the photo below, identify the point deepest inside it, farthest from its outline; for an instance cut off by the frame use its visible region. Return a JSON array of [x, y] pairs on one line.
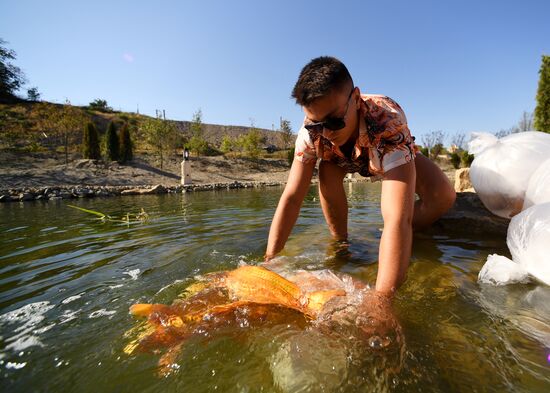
[[158, 189], [462, 180], [468, 215], [86, 163], [84, 193], [26, 196]]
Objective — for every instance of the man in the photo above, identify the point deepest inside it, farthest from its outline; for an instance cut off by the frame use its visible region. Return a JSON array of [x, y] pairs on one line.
[[350, 132]]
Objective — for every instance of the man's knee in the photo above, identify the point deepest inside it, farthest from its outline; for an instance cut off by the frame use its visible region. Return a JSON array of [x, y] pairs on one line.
[[439, 199], [433, 186], [447, 199], [432, 206]]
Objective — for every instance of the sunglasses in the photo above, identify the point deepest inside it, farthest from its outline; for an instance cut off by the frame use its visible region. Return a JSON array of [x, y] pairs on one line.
[[331, 123]]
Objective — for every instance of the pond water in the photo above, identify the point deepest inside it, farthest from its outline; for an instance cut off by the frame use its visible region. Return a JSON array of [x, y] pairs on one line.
[[67, 281]]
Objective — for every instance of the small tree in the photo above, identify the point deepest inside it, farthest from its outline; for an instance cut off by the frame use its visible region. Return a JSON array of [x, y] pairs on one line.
[[111, 143], [458, 140], [33, 94], [526, 122], [542, 110], [286, 133], [455, 160], [424, 151], [197, 143], [437, 149], [11, 77], [466, 159], [100, 105], [252, 142], [160, 135], [239, 143], [90, 142], [431, 140], [126, 154], [67, 123], [196, 123], [227, 144]]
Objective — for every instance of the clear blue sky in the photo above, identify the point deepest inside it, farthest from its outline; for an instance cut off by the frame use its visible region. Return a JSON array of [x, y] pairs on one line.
[[455, 66]]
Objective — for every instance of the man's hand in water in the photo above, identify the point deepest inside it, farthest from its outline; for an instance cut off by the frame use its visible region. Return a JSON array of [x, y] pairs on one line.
[[375, 317]]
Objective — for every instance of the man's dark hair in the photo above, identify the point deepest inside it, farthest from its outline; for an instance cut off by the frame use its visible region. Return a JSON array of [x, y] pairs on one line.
[[320, 77]]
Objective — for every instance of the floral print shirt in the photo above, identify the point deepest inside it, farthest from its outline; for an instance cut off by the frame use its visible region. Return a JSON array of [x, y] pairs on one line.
[[384, 140]]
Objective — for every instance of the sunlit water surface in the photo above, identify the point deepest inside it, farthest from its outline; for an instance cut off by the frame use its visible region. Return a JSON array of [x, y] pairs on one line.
[[67, 281]]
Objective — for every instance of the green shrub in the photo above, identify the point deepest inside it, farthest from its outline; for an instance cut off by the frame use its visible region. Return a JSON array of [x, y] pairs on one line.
[[290, 156], [467, 159], [227, 144], [455, 160], [198, 144], [90, 142], [425, 152], [112, 145], [542, 110], [125, 145], [252, 143], [99, 105], [437, 149]]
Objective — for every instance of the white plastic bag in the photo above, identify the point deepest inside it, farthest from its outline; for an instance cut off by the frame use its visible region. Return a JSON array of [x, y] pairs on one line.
[[499, 270], [538, 189], [502, 167], [529, 243], [529, 240]]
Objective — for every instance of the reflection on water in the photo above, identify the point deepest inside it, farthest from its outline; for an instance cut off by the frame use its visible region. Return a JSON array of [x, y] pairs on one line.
[[67, 281]]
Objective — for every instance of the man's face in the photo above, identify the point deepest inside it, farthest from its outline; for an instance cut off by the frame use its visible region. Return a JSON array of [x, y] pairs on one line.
[[334, 105]]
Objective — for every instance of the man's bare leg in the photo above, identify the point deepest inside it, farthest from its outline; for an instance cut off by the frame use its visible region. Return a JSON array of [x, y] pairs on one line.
[[435, 191], [333, 199]]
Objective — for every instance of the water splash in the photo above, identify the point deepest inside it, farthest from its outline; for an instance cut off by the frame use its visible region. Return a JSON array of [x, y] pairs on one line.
[[134, 274], [15, 365], [29, 317], [68, 315], [101, 313], [72, 298]]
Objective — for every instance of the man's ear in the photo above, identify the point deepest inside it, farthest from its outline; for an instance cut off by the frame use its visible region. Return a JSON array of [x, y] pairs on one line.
[[357, 94]]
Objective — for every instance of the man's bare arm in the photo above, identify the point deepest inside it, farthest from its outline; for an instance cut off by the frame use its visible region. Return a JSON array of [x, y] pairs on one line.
[[397, 204], [285, 217]]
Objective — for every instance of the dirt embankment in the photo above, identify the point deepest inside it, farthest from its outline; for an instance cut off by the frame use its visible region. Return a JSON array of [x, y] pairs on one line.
[[19, 172], [40, 170]]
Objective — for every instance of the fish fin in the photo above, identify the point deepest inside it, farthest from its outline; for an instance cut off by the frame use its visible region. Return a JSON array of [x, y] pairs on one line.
[[167, 362], [317, 299], [146, 309], [160, 337], [229, 306], [140, 332], [141, 309], [193, 289]]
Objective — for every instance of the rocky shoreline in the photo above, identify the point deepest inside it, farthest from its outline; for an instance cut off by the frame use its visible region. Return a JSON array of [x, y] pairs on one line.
[[69, 192]]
